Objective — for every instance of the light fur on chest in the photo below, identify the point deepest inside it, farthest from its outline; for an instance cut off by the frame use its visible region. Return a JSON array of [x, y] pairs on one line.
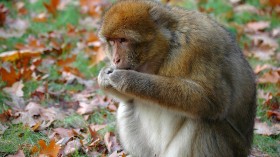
[[157, 131]]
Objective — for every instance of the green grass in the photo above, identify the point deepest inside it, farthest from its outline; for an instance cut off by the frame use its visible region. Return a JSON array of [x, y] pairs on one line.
[[268, 144], [72, 121], [19, 136], [68, 16]]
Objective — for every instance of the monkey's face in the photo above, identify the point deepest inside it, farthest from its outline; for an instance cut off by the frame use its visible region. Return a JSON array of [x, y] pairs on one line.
[[126, 53], [133, 38]]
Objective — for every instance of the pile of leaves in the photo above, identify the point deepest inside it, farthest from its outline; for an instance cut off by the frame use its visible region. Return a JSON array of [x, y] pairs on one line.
[[50, 55], [48, 80]]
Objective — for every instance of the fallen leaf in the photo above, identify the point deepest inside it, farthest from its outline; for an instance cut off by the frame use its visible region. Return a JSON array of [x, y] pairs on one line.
[[246, 8], [274, 114], [51, 150], [111, 142], [16, 89], [264, 41], [42, 17], [72, 147], [257, 26], [62, 132], [274, 3], [52, 7], [263, 128], [21, 9], [3, 14], [9, 76], [260, 68], [5, 116], [36, 126], [34, 113], [257, 153], [20, 54], [85, 108], [275, 32], [97, 127], [272, 76], [94, 135], [18, 154], [16, 28]]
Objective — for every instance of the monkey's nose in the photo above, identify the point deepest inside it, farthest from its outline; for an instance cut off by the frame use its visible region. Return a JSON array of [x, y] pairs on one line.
[[117, 61]]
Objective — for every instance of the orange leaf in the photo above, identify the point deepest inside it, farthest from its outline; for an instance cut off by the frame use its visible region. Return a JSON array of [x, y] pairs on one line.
[[36, 127], [51, 150], [10, 77], [274, 3], [275, 114], [16, 55], [66, 61], [52, 7]]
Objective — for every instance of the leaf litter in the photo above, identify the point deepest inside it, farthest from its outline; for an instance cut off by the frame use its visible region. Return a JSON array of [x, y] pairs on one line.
[[65, 87]]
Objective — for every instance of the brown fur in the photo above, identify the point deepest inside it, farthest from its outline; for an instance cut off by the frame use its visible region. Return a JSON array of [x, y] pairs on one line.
[[186, 64]]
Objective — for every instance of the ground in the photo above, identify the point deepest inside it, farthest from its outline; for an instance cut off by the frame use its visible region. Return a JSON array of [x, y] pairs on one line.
[[50, 56]]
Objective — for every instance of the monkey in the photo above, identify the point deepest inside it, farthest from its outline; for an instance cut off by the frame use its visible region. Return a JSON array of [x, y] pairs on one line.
[[184, 86]]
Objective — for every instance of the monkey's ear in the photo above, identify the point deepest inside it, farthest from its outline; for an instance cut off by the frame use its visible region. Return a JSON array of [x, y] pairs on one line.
[[162, 16]]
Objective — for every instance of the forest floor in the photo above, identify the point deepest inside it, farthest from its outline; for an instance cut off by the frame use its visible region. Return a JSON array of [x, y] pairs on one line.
[[50, 56]]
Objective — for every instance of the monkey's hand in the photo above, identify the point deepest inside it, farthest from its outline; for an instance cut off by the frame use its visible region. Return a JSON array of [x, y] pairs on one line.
[[108, 86], [118, 79], [103, 78]]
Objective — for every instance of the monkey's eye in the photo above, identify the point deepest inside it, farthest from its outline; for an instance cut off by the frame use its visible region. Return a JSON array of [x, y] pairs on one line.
[[122, 40]]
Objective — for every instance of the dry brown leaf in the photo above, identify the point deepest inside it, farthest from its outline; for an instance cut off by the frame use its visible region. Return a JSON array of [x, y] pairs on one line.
[[86, 108], [257, 153], [264, 41], [257, 26], [21, 9], [272, 76], [42, 17], [275, 114], [260, 68], [17, 28], [72, 147], [35, 113], [111, 142], [263, 128], [97, 127], [3, 14], [62, 132], [18, 154], [16, 89], [5, 116], [246, 8]]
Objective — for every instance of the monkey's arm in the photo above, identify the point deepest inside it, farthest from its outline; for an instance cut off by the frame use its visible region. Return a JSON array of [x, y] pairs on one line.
[[178, 94]]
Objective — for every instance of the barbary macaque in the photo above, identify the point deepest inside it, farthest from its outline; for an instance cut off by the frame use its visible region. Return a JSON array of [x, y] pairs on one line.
[[184, 86]]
